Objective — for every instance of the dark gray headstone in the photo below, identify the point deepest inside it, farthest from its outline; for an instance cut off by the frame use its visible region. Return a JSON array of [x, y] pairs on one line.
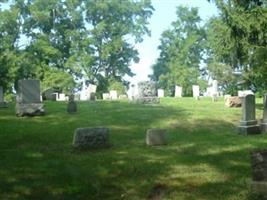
[[90, 138], [28, 99], [29, 91], [259, 172], [1, 94], [264, 118], [156, 137], [248, 123], [72, 106]]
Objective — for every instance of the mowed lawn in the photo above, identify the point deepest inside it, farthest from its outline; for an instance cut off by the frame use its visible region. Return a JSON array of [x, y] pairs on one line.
[[205, 158]]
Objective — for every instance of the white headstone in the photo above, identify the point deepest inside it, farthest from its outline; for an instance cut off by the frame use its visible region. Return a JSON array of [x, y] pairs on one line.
[[106, 96], [196, 91], [113, 94], [92, 88], [244, 93], [61, 97], [178, 91], [160, 93]]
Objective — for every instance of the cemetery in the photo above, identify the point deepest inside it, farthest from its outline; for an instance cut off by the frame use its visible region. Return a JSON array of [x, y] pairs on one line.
[[120, 100]]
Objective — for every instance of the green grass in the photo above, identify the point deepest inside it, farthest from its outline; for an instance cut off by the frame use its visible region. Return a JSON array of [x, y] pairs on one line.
[[205, 157]]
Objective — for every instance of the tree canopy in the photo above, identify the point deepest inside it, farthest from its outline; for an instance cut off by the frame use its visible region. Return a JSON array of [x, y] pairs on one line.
[[39, 39]]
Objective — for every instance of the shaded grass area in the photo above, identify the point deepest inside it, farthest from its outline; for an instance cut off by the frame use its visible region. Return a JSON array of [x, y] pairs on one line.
[[205, 157]]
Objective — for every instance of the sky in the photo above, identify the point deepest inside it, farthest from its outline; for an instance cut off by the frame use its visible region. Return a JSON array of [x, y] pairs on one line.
[[160, 21]]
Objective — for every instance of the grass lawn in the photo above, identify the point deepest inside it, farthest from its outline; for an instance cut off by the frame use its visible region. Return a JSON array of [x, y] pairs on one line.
[[205, 158]]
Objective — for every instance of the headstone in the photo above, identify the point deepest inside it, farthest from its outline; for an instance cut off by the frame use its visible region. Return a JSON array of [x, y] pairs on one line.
[[215, 92], [90, 138], [248, 123], [264, 117], [242, 93], [77, 97], [106, 96], [226, 97], [72, 106], [196, 91], [61, 97], [28, 99], [160, 93], [147, 93], [113, 94], [54, 96], [123, 96], [3, 104], [178, 91], [234, 101], [156, 137], [259, 172], [92, 96]]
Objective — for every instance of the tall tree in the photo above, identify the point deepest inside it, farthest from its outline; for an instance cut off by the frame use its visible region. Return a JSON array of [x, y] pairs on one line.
[[181, 52]]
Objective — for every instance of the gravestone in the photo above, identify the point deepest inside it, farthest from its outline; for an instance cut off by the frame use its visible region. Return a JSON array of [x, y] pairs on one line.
[[156, 137], [215, 92], [178, 91], [123, 96], [106, 96], [196, 91], [248, 123], [28, 98], [3, 104], [234, 101], [160, 93], [264, 117], [113, 94], [147, 93], [61, 97], [242, 93], [92, 96], [72, 106], [90, 138], [259, 172]]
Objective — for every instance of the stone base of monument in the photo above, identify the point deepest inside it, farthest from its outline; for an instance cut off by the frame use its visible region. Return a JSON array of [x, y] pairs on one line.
[[263, 127], [156, 137], [259, 171], [148, 100], [259, 187], [3, 105], [249, 128], [72, 107], [91, 138], [30, 109]]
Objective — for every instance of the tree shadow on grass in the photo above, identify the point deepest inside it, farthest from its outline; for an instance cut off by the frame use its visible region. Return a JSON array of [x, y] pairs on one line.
[[204, 158]]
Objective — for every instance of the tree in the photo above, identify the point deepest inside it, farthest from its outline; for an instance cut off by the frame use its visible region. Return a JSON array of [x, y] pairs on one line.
[[181, 52], [239, 40]]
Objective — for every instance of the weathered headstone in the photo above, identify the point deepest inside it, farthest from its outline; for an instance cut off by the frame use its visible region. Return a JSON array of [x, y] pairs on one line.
[[178, 91], [160, 93], [92, 96], [113, 94], [72, 106], [61, 97], [3, 104], [264, 117], [106, 96], [259, 172], [196, 91], [147, 93], [234, 101], [248, 123], [28, 99], [156, 137], [90, 138]]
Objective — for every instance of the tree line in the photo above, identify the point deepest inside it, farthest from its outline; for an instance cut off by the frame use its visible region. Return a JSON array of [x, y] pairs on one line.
[[60, 41], [230, 47]]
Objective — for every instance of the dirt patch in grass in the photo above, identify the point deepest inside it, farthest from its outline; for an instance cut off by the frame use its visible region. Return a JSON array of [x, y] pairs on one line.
[[157, 192]]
